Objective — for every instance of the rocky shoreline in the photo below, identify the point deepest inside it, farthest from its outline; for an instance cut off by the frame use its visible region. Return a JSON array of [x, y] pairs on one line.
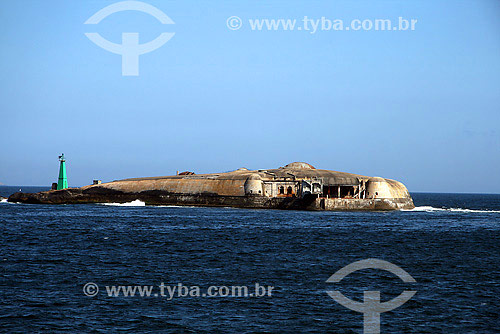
[[97, 195]]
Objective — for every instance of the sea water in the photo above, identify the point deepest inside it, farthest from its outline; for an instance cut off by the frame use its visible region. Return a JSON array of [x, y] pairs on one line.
[[450, 245]]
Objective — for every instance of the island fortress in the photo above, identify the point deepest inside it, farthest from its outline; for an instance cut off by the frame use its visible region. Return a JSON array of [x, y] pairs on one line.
[[295, 186]]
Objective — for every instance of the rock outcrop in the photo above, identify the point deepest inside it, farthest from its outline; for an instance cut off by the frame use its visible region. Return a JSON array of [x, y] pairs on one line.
[[296, 186]]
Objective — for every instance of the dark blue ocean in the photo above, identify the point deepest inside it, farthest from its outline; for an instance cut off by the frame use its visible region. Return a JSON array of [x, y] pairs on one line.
[[450, 245]]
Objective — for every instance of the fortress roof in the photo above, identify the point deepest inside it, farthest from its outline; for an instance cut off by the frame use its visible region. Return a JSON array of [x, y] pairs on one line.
[[292, 171]]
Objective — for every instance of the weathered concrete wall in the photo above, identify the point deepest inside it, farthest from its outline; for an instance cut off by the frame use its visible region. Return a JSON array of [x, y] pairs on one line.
[[341, 204], [377, 187], [254, 186], [181, 186]]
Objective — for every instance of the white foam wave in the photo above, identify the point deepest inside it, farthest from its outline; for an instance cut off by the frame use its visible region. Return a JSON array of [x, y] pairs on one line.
[[3, 200], [137, 202], [433, 209], [173, 206]]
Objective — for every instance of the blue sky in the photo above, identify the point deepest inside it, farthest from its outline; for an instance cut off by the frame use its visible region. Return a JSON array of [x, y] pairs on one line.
[[418, 106]]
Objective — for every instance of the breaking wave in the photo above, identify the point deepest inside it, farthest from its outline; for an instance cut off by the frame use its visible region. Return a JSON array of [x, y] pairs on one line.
[[133, 203], [3, 200], [174, 206], [433, 209]]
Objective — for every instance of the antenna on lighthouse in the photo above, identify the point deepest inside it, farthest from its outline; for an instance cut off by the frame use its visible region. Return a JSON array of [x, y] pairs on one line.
[[62, 182]]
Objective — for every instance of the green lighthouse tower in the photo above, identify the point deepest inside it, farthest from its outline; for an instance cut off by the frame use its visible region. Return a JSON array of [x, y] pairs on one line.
[[62, 182]]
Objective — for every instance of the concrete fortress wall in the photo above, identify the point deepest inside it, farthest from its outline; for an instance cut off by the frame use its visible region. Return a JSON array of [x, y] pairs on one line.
[[378, 187], [295, 186], [184, 186]]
